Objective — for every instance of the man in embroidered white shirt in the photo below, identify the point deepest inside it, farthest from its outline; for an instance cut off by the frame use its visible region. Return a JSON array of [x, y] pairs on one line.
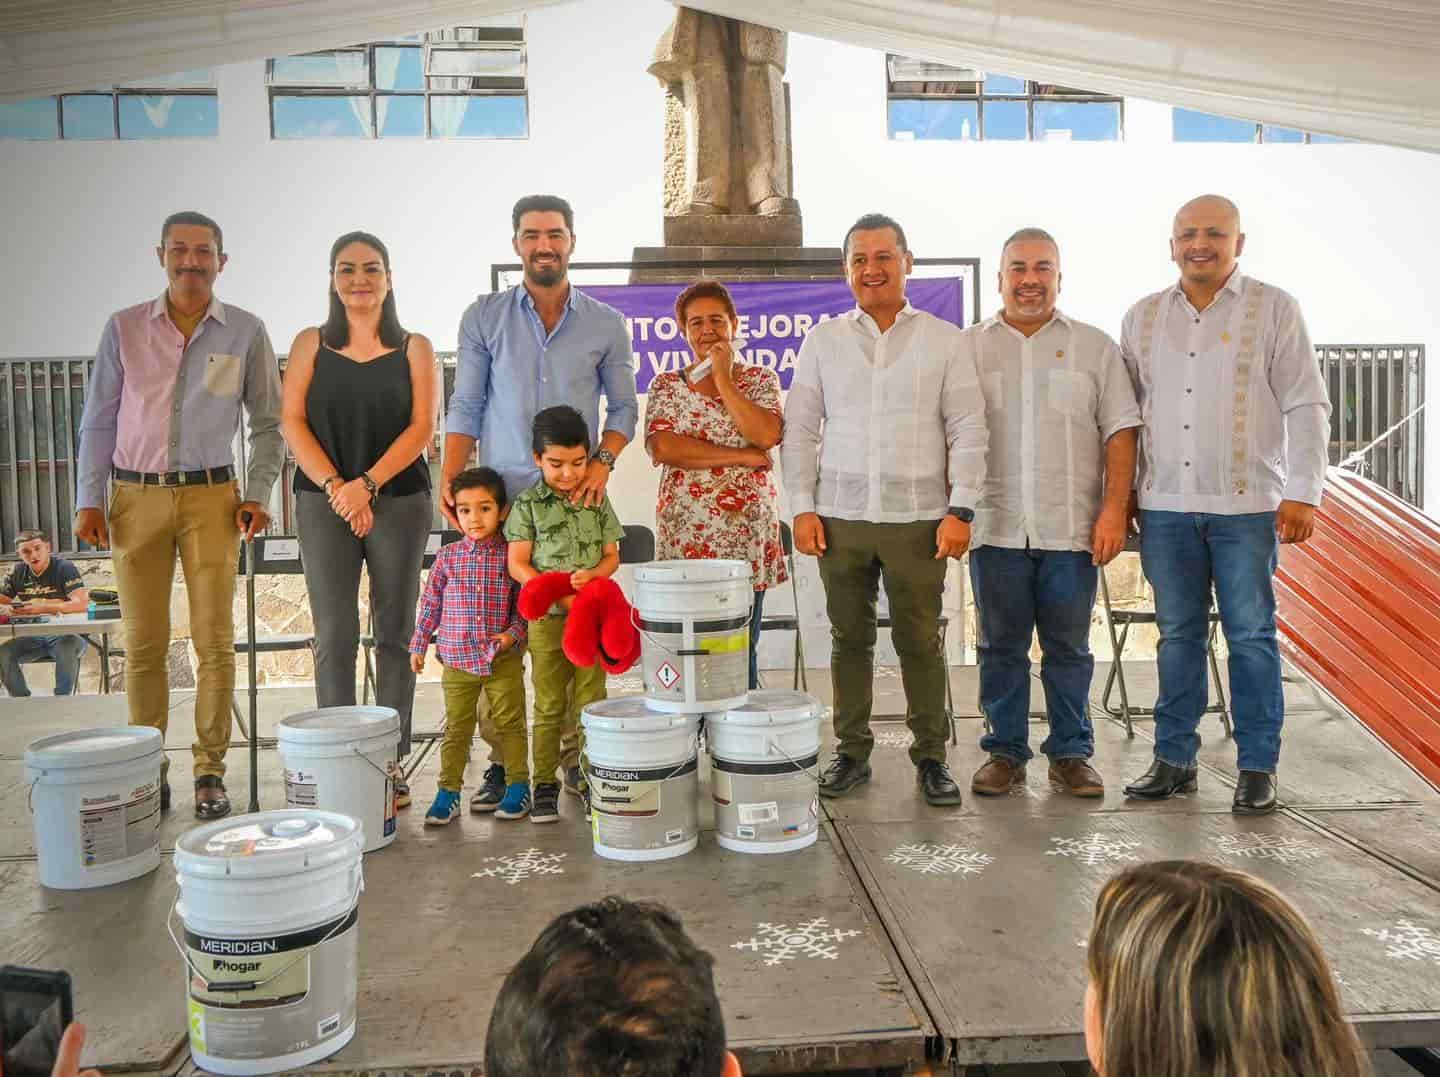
[[883, 415], [1232, 463], [1063, 419]]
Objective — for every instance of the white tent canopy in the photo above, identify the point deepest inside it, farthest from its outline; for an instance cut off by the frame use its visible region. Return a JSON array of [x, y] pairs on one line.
[[1363, 69]]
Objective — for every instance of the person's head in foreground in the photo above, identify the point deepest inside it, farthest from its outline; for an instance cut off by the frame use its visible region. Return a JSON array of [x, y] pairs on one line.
[[612, 989], [1200, 971]]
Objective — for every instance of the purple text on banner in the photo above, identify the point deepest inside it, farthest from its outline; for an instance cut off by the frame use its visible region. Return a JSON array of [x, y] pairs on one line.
[[774, 318]]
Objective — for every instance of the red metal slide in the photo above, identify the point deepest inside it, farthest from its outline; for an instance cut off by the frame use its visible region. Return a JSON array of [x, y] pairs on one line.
[[1359, 613]]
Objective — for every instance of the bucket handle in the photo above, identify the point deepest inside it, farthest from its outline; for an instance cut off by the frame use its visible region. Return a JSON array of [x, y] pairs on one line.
[[30, 796], [385, 772], [774, 744], [255, 985]]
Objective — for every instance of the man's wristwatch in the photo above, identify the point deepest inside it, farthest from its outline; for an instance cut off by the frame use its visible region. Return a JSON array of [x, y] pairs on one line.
[[966, 515], [369, 483], [605, 456], [326, 484]]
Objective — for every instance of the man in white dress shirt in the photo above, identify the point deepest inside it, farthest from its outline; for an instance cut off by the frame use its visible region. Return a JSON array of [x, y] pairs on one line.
[[883, 415], [1063, 419], [1232, 463]]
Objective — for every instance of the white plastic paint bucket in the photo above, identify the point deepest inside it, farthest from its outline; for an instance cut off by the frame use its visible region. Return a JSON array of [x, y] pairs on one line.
[[95, 805], [694, 620], [643, 769], [340, 759], [272, 939], [764, 759]]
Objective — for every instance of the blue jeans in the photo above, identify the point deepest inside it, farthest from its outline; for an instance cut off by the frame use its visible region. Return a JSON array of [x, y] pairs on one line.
[[1016, 593], [66, 651], [1184, 554], [755, 616]]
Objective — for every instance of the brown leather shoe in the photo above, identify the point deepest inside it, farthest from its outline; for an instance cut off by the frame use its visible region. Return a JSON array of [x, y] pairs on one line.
[[1076, 777], [211, 800], [998, 776]]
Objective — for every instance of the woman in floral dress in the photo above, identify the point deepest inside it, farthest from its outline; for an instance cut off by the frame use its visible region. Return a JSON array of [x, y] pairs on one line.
[[713, 435]]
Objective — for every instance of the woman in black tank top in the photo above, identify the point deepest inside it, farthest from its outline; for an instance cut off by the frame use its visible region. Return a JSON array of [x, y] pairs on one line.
[[360, 400]]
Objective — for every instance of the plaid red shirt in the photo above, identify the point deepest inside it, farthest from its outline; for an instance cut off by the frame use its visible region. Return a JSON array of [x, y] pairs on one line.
[[469, 597]]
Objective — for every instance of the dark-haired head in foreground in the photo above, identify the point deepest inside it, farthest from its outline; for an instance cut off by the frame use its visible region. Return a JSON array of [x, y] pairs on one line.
[[612, 989]]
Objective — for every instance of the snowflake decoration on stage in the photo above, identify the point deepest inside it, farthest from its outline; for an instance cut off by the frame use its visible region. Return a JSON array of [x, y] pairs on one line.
[[781, 942], [1094, 849], [940, 859], [1267, 847], [888, 738], [1408, 940], [517, 868]]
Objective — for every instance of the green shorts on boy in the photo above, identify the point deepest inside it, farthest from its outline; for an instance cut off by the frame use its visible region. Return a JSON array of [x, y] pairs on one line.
[[549, 534], [469, 605]]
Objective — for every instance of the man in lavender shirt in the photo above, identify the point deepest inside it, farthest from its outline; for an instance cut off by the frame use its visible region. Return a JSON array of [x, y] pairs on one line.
[[163, 406]]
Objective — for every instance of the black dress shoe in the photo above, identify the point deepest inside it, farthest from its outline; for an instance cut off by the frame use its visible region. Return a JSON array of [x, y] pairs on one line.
[[1254, 793], [936, 785], [843, 775], [1162, 781]]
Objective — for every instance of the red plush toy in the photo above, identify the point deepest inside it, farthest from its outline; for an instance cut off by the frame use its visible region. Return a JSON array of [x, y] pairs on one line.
[[600, 625]]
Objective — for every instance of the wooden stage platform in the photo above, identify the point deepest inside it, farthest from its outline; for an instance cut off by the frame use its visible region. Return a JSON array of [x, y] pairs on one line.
[[906, 936]]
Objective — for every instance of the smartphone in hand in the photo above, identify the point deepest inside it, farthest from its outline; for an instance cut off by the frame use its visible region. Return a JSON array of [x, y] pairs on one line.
[[35, 1009]]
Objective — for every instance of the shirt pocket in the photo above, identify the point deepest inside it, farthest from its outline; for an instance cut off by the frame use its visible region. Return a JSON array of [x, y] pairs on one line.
[[222, 374], [1072, 393]]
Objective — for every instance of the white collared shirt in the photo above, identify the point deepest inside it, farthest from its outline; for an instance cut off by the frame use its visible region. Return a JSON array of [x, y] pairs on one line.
[[1052, 401], [877, 424], [1236, 413]]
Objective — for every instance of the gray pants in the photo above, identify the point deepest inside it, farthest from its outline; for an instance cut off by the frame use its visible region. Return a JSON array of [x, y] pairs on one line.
[[393, 552]]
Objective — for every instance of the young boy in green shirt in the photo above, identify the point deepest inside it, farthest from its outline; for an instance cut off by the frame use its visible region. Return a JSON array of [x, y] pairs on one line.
[[548, 533]]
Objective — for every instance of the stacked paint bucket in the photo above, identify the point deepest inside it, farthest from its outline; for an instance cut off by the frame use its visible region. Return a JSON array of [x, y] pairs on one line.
[[643, 751]]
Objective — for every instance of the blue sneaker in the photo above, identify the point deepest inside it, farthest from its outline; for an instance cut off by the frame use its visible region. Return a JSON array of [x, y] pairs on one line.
[[516, 804], [445, 808]]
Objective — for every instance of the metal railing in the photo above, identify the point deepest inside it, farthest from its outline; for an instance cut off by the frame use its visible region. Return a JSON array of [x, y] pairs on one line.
[[1376, 430]]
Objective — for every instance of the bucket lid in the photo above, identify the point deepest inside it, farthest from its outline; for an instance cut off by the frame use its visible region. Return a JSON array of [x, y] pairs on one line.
[[634, 714], [336, 725], [94, 747], [699, 571], [769, 706], [268, 843]]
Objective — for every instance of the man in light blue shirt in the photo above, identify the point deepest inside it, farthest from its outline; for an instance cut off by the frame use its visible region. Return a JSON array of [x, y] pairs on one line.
[[533, 346], [530, 347]]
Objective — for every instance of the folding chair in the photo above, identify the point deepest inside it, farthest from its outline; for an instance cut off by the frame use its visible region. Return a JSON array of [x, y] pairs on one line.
[[1116, 677], [270, 556], [789, 622]]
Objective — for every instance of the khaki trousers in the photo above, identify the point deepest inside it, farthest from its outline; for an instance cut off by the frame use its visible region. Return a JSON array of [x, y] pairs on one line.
[[149, 527]]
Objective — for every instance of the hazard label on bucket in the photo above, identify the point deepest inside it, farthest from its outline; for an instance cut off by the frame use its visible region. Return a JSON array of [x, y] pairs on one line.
[[667, 675]]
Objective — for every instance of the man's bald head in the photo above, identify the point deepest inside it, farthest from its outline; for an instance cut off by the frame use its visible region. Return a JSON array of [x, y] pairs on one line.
[[1206, 241], [1210, 203]]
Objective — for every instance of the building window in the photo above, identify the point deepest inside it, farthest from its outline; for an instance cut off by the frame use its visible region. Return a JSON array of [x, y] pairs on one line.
[[467, 82], [1190, 126], [934, 101], [183, 105]]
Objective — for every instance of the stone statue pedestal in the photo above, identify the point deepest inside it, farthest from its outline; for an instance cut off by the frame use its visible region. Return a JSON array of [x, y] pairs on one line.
[[733, 230], [735, 263]]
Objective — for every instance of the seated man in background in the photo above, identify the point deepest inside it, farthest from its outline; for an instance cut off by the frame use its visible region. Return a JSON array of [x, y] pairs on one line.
[[42, 584], [608, 988]]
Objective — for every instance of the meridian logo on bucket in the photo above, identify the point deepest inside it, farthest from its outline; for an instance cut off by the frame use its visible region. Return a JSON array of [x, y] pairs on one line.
[[239, 946]]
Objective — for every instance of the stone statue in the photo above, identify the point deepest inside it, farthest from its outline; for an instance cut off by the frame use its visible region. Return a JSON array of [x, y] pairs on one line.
[[727, 140]]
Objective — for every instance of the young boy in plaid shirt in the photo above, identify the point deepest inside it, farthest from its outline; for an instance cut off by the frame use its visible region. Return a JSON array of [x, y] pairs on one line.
[[470, 598], [548, 533]]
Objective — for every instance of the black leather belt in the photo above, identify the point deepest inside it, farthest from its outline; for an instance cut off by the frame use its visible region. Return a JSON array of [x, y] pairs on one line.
[[203, 477]]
